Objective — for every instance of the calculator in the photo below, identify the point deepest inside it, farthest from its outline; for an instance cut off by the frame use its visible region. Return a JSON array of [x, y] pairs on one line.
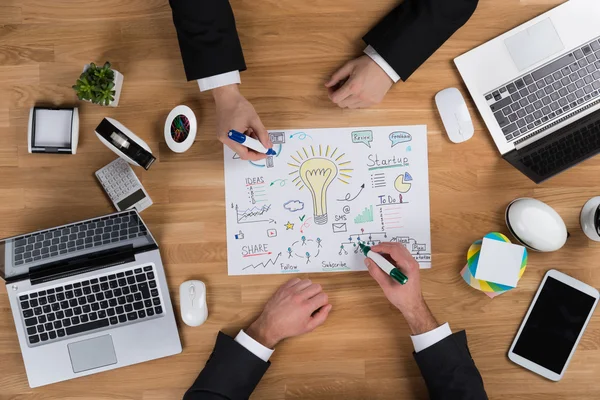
[[123, 187]]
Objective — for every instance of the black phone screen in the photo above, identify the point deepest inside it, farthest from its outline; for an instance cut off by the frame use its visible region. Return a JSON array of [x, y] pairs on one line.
[[554, 325]]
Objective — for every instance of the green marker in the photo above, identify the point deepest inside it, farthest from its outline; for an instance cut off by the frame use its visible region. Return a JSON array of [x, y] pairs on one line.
[[384, 264]]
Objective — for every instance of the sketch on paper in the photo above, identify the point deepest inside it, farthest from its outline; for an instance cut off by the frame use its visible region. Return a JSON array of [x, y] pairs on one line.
[[277, 137], [268, 162], [349, 196], [307, 209], [339, 227], [365, 137], [280, 182], [256, 189], [316, 169], [271, 233], [378, 180], [305, 249], [365, 216], [293, 205], [300, 136], [418, 250], [263, 264], [399, 137], [305, 223], [253, 215], [403, 183]]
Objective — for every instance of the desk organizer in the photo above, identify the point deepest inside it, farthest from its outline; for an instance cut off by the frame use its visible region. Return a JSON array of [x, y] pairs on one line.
[[180, 129], [53, 130]]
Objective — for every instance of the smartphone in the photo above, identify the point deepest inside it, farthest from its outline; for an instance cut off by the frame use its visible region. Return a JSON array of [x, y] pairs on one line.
[[553, 325]]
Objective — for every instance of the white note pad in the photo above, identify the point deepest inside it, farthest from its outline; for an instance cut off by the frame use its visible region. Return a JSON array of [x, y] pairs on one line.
[[327, 190], [499, 262], [53, 128]]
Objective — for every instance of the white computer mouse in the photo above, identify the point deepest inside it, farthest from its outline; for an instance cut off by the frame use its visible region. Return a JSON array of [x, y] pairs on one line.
[[455, 115], [192, 302], [536, 225]]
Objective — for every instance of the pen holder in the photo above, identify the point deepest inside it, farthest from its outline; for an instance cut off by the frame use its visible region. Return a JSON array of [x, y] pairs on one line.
[[180, 129]]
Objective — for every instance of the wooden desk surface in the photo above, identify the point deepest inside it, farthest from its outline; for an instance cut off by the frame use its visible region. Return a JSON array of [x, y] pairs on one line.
[[291, 47]]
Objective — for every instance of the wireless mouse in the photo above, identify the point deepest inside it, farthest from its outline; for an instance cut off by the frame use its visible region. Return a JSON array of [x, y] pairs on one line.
[[192, 302], [536, 225], [455, 115]]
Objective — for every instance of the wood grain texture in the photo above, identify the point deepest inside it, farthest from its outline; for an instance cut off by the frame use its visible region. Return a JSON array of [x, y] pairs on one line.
[[364, 349]]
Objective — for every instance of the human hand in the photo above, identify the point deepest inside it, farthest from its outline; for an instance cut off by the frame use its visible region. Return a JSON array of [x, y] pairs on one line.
[[366, 84], [235, 112], [408, 298], [297, 307]]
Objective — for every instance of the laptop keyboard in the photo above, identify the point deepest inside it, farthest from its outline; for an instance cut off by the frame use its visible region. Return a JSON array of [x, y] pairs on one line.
[[109, 300], [79, 236], [548, 92], [562, 153]]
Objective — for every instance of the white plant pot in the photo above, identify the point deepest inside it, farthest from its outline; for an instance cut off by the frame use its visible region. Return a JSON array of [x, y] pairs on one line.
[[118, 86]]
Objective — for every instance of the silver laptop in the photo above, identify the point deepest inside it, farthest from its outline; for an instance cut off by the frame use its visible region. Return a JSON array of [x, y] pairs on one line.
[[537, 88], [88, 297]]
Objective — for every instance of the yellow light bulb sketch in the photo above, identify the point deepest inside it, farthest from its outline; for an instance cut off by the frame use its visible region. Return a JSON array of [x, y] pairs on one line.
[[316, 169], [317, 174]]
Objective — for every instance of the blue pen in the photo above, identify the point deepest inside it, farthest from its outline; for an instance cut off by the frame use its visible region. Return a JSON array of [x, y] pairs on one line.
[[250, 142]]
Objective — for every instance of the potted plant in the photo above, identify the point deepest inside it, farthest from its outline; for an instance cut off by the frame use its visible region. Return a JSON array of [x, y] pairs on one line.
[[99, 85]]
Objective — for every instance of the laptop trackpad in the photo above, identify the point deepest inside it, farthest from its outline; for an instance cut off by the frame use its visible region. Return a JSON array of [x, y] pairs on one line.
[[534, 44], [92, 353]]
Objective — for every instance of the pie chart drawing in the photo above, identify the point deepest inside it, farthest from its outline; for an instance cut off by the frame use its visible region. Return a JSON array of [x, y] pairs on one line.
[[402, 183]]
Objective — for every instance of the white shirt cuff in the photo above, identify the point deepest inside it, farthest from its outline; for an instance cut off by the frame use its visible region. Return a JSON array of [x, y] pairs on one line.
[[374, 55], [215, 81], [427, 339], [260, 351]]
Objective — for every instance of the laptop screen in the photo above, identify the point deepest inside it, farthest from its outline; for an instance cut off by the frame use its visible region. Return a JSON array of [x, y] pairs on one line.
[[19, 254]]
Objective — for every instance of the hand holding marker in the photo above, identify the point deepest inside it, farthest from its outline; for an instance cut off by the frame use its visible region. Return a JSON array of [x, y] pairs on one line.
[[384, 264], [250, 142]]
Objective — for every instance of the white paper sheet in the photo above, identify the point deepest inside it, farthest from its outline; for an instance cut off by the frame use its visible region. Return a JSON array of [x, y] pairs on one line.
[[306, 209], [53, 128]]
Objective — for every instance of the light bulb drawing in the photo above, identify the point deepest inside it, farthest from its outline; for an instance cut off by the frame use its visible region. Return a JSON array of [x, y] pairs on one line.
[[316, 169]]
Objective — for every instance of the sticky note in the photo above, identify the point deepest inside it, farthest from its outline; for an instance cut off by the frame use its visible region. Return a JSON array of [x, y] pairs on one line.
[[499, 262]]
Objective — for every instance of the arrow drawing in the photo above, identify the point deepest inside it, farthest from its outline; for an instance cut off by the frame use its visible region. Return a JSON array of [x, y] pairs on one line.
[[259, 254], [349, 196], [263, 264], [306, 224]]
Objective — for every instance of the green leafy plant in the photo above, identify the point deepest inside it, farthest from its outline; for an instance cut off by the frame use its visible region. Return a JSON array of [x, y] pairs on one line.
[[96, 84]]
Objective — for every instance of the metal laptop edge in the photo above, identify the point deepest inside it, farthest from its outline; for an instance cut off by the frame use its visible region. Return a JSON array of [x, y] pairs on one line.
[[134, 342], [576, 22]]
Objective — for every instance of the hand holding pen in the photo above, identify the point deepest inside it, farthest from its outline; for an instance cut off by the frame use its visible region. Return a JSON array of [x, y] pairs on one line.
[[407, 297], [235, 112], [250, 142]]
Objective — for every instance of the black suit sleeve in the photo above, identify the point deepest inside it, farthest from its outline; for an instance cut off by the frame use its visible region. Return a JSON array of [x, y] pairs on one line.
[[231, 373], [414, 30], [449, 371], [208, 39]]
